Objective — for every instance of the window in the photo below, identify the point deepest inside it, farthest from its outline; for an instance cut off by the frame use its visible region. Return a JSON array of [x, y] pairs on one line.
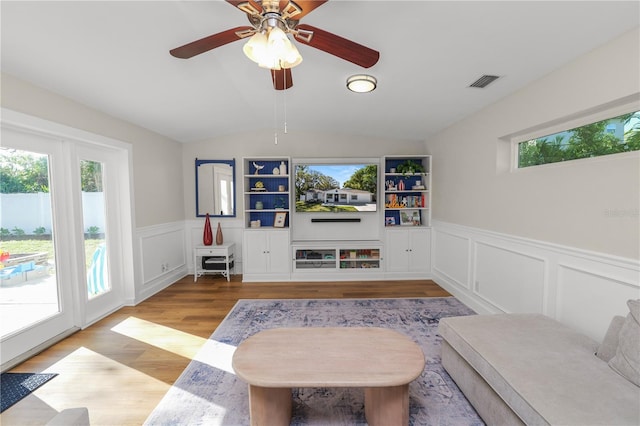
[[610, 136]]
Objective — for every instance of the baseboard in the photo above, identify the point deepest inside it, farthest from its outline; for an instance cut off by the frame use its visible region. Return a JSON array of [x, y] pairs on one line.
[[8, 365]]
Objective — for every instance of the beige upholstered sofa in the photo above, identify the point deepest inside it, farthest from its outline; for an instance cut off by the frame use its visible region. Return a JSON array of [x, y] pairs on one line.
[[529, 368]]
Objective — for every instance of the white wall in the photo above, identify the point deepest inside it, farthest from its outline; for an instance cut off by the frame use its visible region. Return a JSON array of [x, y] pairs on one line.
[[157, 181], [292, 144], [589, 204], [562, 240], [261, 144], [156, 159]]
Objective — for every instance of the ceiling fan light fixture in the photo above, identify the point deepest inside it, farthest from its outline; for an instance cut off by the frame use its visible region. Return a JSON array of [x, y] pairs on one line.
[[362, 83], [256, 47], [272, 49]]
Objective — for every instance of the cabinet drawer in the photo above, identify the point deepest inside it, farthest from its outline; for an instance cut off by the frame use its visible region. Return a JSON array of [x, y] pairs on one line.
[[211, 252]]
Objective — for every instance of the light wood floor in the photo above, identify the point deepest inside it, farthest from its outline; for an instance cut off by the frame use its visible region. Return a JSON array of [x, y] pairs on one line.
[[120, 367]]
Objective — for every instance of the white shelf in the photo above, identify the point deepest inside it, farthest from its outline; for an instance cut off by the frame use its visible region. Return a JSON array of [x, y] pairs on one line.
[[266, 193], [266, 176]]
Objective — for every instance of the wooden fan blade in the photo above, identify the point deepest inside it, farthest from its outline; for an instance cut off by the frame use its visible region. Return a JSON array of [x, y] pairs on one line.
[[205, 44], [340, 47], [307, 6], [281, 78], [253, 3]]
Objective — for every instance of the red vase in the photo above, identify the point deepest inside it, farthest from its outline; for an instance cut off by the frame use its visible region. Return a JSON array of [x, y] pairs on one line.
[[207, 236], [219, 235]]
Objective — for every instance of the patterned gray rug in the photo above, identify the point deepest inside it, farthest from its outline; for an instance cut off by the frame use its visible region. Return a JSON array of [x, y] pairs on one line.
[[208, 393]]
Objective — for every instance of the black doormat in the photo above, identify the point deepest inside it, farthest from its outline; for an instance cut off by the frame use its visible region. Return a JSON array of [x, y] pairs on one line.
[[15, 386]]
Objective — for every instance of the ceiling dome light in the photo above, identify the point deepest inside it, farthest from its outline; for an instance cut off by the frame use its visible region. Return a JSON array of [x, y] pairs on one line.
[[362, 83]]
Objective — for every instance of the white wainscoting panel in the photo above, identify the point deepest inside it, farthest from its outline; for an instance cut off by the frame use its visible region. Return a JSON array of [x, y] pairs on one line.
[[510, 280], [161, 258], [451, 260], [506, 273], [600, 292]]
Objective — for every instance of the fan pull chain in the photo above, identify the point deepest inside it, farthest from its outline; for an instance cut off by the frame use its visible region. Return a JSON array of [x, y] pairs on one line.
[[275, 117], [285, 103]]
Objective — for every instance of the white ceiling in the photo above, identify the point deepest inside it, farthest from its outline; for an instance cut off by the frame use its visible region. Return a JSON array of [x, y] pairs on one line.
[[114, 56]]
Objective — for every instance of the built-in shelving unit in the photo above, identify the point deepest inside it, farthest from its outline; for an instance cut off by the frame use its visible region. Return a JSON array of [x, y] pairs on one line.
[[270, 254], [266, 186], [407, 193], [355, 258], [332, 256]]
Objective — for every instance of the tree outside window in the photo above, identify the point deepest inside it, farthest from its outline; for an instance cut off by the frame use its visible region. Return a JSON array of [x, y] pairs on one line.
[[611, 136]]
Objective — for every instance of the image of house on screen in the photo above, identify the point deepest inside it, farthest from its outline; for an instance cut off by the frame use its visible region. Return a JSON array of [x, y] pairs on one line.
[[339, 196]]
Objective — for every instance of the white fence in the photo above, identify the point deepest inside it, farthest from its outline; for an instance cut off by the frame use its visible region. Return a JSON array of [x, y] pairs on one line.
[[32, 211]]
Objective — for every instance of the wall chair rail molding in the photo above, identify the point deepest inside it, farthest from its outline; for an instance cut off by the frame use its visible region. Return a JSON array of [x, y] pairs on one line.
[[495, 273]]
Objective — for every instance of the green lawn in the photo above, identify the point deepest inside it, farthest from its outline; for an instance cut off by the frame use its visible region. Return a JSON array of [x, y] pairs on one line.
[[301, 206], [39, 246]]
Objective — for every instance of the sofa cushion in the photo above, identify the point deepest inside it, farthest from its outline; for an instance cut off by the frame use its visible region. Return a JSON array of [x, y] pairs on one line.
[[609, 345], [627, 358], [546, 372]]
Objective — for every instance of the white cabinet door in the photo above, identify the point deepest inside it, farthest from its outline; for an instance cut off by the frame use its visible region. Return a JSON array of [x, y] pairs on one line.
[[397, 251], [255, 252], [279, 252], [409, 250], [419, 250], [266, 252]]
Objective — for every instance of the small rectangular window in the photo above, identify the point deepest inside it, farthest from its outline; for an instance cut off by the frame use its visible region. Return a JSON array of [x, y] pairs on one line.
[[610, 136]]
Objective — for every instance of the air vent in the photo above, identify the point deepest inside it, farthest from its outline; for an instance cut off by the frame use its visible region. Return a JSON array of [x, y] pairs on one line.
[[484, 81]]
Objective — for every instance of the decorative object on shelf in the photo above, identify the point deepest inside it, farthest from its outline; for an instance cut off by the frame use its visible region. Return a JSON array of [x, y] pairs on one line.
[[283, 168], [276, 171], [279, 219], [259, 186], [281, 188], [393, 202], [389, 221], [410, 218], [207, 236], [219, 238], [392, 170], [258, 167], [409, 168], [255, 223], [418, 185], [401, 186], [279, 204], [259, 205]]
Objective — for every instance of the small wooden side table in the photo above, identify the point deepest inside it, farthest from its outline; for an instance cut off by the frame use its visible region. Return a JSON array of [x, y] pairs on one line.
[[219, 260]]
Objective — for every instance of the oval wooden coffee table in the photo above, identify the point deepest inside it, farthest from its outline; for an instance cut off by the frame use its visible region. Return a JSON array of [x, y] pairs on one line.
[[382, 361]]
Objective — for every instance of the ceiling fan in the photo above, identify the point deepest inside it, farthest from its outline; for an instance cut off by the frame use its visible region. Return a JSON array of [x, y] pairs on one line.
[[281, 16]]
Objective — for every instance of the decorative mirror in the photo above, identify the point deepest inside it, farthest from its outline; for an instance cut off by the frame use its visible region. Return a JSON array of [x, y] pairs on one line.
[[215, 188]]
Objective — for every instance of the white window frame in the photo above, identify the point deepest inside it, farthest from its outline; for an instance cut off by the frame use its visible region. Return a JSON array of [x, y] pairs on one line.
[[582, 118]]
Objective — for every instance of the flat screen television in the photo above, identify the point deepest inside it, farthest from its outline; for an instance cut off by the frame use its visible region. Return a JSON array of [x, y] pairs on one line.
[[336, 187]]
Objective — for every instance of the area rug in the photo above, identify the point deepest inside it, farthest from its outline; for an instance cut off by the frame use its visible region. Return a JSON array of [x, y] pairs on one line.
[[208, 393], [15, 386]]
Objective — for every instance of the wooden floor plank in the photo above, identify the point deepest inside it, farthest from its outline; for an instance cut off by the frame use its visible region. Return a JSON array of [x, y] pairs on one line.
[[120, 367]]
